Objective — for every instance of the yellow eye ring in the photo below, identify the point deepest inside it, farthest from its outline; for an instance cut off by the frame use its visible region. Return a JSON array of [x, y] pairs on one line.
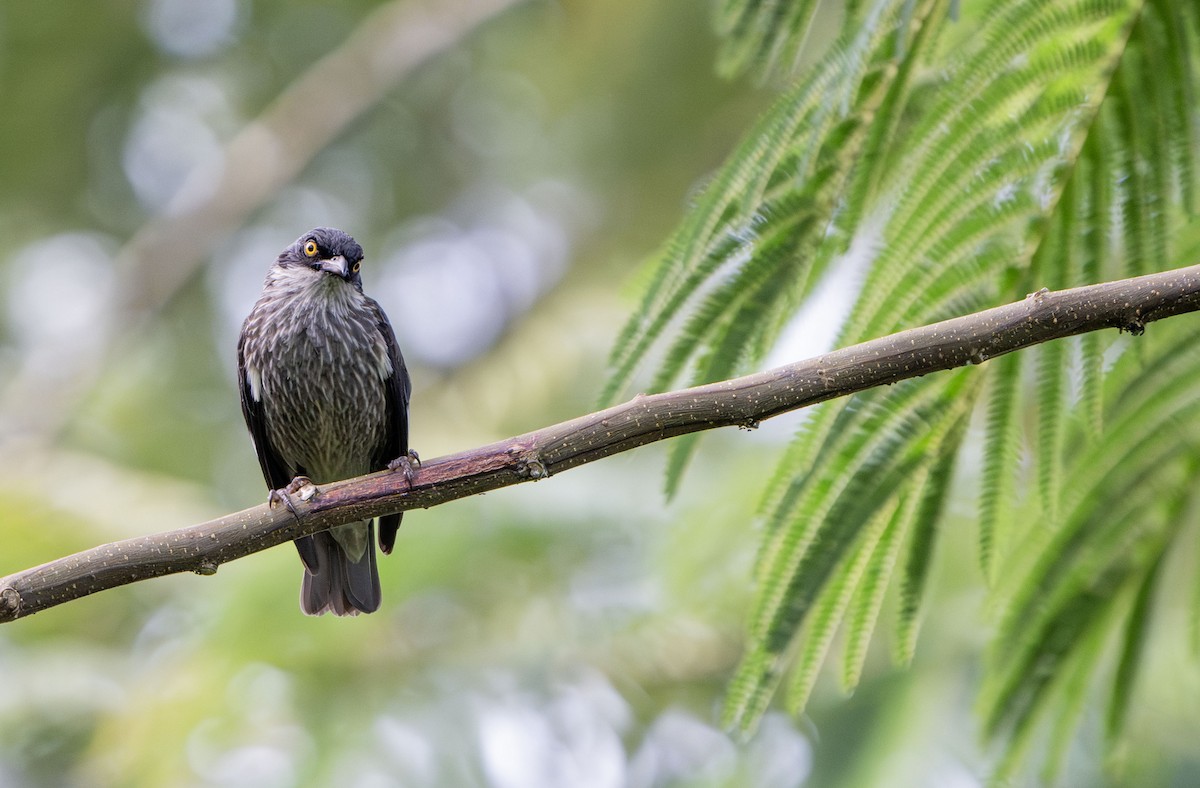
[[355, 267], [310, 248]]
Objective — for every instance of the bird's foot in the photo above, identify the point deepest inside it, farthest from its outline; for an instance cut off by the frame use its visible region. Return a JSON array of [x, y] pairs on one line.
[[300, 484], [407, 464]]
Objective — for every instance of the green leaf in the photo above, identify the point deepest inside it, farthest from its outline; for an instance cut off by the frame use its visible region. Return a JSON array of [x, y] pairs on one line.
[[762, 35], [873, 583], [1043, 145], [932, 497], [1132, 649], [997, 483]]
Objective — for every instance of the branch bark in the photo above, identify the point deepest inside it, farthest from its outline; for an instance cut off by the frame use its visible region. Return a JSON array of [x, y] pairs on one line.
[[1127, 305]]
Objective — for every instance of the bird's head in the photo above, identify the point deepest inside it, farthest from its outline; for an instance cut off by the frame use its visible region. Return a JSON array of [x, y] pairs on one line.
[[326, 251]]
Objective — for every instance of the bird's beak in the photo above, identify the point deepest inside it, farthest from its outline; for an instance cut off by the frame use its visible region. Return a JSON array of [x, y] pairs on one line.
[[338, 266]]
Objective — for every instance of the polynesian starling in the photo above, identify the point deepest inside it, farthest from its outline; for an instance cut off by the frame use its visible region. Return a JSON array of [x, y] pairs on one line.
[[325, 395]]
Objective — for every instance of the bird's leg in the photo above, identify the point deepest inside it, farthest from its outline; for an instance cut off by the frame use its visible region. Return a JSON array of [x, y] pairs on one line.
[[300, 484], [408, 464]]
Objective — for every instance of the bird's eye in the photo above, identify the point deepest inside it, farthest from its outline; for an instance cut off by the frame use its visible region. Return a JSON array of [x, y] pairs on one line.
[[310, 248], [355, 267]]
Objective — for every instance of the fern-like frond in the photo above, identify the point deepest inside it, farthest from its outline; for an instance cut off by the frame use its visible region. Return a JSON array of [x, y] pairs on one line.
[[944, 241], [807, 502], [762, 35], [774, 200], [980, 170], [831, 608], [997, 483], [877, 573], [1063, 707], [905, 428], [932, 497], [1052, 373], [1133, 645], [1119, 517], [1054, 144]]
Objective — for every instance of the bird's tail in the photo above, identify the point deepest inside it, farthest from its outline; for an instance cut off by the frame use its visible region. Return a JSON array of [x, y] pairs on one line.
[[333, 581]]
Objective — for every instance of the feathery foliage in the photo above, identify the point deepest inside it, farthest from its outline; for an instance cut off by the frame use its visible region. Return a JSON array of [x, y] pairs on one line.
[[1038, 145]]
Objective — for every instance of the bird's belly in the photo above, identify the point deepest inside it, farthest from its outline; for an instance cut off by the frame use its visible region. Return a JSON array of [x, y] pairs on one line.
[[325, 413]]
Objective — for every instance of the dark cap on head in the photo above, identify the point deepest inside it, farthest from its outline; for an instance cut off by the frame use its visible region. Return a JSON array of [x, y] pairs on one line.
[[330, 242]]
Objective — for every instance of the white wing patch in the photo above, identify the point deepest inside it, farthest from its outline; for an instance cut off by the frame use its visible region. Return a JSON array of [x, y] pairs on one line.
[[383, 361], [254, 379]]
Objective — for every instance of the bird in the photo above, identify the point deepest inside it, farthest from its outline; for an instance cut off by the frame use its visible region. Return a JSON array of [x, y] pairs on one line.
[[325, 395]]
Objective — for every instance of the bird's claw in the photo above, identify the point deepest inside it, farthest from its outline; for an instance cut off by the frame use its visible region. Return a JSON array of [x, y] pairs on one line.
[[408, 464], [300, 484]]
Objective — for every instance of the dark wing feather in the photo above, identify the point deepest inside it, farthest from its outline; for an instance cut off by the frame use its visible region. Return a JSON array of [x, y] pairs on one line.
[[398, 390], [274, 469]]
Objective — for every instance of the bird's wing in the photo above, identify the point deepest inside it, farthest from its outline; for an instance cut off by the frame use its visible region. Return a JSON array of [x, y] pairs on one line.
[[398, 390], [274, 469]]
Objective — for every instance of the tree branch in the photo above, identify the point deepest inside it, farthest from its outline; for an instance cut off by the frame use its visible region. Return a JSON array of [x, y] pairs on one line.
[[1127, 305]]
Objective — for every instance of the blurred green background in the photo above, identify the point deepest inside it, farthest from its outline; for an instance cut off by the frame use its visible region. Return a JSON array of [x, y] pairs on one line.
[[507, 190]]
